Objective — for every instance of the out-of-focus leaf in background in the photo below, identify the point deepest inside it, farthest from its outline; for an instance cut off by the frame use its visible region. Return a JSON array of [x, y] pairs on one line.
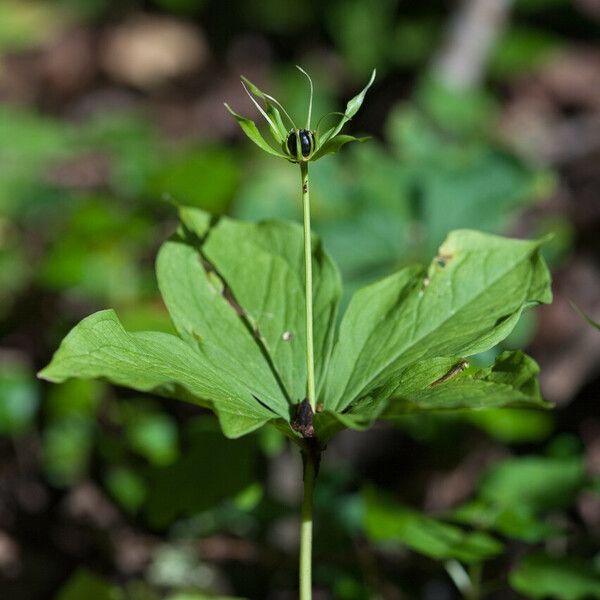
[[220, 467], [386, 521], [19, 397], [69, 435], [539, 483], [206, 178], [85, 584], [97, 253], [517, 495], [565, 578]]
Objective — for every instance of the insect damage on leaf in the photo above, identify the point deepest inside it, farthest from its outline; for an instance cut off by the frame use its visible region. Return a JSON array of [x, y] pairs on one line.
[[303, 421], [453, 372], [443, 259]]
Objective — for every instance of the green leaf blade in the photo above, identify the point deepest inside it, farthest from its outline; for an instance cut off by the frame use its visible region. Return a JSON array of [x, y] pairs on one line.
[[469, 299], [278, 130], [352, 107], [270, 288], [333, 145], [251, 130], [99, 347], [511, 381], [211, 323]]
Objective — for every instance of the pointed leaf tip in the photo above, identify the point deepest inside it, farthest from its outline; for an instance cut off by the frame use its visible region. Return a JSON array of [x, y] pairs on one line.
[[333, 145], [352, 108], [270, 112], [251, 130]]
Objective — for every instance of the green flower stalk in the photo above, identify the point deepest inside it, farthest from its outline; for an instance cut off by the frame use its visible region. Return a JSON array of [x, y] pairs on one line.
[[300, 146]]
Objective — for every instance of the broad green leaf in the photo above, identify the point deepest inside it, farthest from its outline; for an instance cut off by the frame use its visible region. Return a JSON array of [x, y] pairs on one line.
[[352, 108], [241, 350], [333, 145], [369, 306], [510, 381], [210, 323], [562, 578], [270, 289], [537, 482], [387, 521], [262, 266], [468, 300], [251, 130], [99, 347]]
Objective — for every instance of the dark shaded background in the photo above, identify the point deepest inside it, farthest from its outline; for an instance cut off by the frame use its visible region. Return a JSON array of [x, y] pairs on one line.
[[484, 114]]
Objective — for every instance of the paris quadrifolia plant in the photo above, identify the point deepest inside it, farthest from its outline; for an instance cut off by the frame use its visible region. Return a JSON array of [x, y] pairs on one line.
[[255, 308]]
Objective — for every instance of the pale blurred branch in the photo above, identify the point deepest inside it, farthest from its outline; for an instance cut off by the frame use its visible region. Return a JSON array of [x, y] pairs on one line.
[[472, 33]]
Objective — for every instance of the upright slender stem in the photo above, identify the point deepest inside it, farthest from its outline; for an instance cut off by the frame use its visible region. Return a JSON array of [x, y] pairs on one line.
[[310, 361], [306, 528]]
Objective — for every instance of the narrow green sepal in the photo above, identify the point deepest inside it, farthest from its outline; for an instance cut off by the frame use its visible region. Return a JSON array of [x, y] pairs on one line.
[[251, 130], [276, 125], [352, 108], [272, 110], [333, 145]]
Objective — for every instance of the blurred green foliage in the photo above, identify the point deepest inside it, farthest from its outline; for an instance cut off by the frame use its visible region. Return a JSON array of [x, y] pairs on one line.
[[386, 521], [543, 576], [222, 468], [25, 25], [19, 397], [518, 499], [87, 585]]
